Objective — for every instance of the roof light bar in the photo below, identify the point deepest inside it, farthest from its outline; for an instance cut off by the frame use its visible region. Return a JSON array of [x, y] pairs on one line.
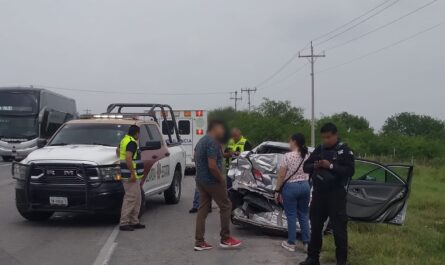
[[108, 116]]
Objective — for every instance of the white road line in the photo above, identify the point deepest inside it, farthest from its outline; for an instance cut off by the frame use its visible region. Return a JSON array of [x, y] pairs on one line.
[[4, 165], [108, 248]]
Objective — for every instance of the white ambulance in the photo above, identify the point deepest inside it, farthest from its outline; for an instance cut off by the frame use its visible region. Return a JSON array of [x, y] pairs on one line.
[[192, 126]]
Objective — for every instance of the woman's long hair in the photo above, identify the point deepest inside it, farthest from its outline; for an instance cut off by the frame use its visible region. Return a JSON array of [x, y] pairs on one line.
[[300, 141]]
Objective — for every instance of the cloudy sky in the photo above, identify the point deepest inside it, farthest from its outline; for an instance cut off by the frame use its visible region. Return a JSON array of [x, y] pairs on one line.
[[215, 47]]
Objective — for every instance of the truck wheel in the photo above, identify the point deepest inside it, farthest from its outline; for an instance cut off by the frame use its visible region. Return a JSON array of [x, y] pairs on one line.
[[35, 215], [173, 194]]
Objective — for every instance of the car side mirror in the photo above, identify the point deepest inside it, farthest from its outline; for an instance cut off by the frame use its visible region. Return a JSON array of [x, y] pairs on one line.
[[41, 142], [152, 145]]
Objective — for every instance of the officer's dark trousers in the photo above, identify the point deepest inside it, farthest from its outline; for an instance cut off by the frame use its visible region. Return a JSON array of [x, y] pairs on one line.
[[330, 204]]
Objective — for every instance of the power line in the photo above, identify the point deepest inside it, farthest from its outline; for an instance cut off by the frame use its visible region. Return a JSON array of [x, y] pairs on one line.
[[286, 77], [383, 26], [235, 99], [136, 92], [289, 61], [312, 58], [383, 48], [248, 90], [359, 23], [350, 22], [294, 56]]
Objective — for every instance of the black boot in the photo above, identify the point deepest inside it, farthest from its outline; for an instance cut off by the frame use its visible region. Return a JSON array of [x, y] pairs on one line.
[[126, 228], [310, 261]]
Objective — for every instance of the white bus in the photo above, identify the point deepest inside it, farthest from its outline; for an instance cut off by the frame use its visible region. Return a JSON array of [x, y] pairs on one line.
[[192, 126], [28, 115]]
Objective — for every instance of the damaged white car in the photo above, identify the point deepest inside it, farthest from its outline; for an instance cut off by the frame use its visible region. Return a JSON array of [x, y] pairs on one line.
[[376, 193]]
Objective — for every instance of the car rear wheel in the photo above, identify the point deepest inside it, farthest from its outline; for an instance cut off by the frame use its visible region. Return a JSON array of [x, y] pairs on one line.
[[173, 194], [35, 215]]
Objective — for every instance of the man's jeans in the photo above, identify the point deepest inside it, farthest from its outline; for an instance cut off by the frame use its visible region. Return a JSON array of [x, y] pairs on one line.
[[296, 196]]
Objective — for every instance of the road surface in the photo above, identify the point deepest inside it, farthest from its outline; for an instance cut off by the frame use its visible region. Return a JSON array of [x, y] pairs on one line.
[[74, 239]]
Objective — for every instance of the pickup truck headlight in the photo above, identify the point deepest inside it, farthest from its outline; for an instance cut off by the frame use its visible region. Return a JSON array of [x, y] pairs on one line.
[[111, 173], [19, 171]]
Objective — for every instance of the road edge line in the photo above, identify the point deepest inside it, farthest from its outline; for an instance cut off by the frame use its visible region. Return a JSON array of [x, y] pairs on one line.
[[108, 248]]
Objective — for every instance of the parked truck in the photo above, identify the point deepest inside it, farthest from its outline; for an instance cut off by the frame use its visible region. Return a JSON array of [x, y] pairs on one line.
[[77, 170]]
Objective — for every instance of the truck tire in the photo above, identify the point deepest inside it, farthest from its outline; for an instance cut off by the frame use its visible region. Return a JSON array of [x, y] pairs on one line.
[[173, 194], [35, 216]]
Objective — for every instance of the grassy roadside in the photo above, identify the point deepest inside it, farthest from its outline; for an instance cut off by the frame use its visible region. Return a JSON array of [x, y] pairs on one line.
[[420, 241]]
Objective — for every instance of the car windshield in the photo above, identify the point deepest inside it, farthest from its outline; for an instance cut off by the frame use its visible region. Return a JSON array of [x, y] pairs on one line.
[[18, 127], [90, 134]]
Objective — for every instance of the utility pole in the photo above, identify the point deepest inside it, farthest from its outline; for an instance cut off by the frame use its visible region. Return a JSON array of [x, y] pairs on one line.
[[87, 111], [311, 59], [248, 90], [236, 98]]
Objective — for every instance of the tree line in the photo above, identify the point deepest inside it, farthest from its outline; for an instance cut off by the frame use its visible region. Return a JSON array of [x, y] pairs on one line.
[[404, 136]]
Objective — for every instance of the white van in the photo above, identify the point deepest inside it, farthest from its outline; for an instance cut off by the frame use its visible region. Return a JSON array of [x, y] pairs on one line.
[[192, 126]]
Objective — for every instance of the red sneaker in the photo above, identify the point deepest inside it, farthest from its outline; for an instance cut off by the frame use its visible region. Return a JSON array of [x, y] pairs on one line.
[[230, 243], [203, 246]]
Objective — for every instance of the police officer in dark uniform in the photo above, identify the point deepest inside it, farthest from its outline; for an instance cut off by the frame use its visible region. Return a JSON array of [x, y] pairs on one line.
[[331, 166]]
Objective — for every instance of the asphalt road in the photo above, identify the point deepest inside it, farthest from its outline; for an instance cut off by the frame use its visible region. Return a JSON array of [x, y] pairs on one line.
[[84, 239]]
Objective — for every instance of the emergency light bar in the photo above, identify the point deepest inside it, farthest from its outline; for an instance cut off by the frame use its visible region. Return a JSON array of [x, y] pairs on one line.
[[108, 116]]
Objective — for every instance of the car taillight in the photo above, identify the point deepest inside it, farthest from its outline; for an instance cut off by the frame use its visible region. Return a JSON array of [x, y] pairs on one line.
[[199, 113], [257, 174], [187, 114], [200, 132]]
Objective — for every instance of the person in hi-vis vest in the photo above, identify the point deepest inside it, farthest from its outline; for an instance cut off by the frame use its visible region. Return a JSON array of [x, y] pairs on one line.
[[132, 171], [236, 145]]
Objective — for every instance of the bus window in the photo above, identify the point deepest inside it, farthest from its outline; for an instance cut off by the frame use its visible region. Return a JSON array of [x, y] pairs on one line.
[[166, 125], [184, 127]]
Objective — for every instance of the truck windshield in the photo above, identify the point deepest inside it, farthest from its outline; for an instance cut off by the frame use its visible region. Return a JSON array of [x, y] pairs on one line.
[[90, 134], [20, 128]]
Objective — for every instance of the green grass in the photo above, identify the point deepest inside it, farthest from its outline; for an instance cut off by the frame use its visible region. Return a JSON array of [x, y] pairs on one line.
[[420, 241]]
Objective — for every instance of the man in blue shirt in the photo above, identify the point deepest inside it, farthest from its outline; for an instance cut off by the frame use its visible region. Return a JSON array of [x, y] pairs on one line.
[[212, 186]]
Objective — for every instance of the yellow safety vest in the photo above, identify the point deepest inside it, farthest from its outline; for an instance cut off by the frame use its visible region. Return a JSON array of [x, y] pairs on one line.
[[235, 147], [138, 165]]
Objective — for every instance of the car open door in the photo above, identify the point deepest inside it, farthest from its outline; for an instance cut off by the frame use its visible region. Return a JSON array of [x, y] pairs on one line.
[[379, 193]]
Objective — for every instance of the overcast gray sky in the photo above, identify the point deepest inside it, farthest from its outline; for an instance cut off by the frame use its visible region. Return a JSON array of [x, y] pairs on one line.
[[221, 46]]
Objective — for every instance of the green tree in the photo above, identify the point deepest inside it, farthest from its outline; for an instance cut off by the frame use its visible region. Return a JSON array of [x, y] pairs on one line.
[[410, 124], [282, 110], [354, 130], [270, 121]]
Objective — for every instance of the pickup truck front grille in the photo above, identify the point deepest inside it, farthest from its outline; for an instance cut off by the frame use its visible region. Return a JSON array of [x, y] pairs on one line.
[[61, 174]]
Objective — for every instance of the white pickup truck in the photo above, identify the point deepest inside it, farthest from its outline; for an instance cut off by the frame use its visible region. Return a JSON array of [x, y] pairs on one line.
[[77, 170]]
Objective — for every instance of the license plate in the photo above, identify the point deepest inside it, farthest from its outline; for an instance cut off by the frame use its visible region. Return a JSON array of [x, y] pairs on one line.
[[58, 201]]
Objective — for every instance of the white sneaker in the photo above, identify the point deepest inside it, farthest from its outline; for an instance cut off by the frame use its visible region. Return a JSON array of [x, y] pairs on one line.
[[287, 246]]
